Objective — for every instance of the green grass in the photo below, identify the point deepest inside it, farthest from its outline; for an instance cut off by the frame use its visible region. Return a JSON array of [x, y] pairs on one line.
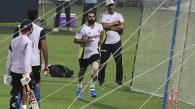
[[63, 51]]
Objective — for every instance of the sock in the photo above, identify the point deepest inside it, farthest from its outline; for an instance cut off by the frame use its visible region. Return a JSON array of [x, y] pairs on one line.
[[24, 107], [79, 85], [37, 93], [92, 86]]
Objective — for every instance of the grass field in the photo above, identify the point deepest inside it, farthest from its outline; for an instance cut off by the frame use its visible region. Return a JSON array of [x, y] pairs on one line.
[[58, 93]]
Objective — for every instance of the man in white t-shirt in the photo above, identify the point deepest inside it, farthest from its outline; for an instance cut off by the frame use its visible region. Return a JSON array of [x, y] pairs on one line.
[[19, 61], [113, 24], [89, 36], [38, 47]]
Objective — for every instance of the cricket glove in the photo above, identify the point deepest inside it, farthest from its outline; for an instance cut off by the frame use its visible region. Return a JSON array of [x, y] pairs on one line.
[[7, 79]]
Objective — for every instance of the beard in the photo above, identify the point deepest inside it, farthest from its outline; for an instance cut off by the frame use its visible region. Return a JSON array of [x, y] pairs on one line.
[[91, 22]]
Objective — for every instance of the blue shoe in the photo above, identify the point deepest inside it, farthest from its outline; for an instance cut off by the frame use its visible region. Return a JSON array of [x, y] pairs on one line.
[[92, 92], [79, 93]]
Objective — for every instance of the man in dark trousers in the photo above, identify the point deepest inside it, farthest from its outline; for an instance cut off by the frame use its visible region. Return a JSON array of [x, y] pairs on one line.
[[88, 4], [38, 39], [59, 5], [113, 24], [19, 62]]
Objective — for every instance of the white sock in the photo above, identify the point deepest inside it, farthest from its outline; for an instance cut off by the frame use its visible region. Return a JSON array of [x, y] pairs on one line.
[[24, 107], [92, 84], [79, 85]]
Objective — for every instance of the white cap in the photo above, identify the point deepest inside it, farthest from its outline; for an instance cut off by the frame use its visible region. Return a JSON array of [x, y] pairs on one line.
[[108, 2]]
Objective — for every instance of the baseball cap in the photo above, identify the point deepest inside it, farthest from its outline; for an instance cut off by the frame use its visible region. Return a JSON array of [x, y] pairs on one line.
[[26, 24], [108, 2]]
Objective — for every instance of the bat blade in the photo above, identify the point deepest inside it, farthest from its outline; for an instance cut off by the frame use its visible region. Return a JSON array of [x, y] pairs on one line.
[[32, 99]]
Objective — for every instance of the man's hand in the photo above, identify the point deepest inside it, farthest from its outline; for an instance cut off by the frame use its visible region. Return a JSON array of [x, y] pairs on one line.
[[88, 40], [46, 70], [7, 79], [116, 23]]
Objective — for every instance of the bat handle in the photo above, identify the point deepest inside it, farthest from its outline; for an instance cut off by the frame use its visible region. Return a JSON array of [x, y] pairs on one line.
[[27, 85]]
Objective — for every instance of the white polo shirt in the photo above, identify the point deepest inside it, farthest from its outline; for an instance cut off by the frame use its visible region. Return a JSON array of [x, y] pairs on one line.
[[19, 55], [111, 36], [86, 32]]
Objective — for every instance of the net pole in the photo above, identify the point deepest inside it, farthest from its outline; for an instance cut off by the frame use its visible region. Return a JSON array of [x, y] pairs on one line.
[[141, 16], [43, 12], [178, 3]]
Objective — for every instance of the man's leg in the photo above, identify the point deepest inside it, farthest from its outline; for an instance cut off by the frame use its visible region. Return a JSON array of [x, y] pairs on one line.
[[18, 101], [59, 6], [117, 51], [16, 89], [22, 98], [83, 66], [105, 54], [94, 8], [79, 86], [81, 77], [95, 67], [67, 12], [35, 81], [85, 8]]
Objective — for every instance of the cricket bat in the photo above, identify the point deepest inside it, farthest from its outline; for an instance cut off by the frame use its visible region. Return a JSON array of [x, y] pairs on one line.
[[31, 97]]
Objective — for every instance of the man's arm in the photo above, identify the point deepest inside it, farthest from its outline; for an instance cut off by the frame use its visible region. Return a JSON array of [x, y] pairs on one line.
[[108, 26], [118, 27], [8, 64], [44, 49], [79, 37], [81, 41]]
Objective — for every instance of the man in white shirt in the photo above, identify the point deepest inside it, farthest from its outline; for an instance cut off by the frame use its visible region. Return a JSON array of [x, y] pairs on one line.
[[19, 61], [89, 36], [113, 23], [38, 39], [87, 5], [59, 5]]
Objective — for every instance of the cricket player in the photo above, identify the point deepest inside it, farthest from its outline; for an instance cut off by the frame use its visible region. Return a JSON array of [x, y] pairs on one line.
[[38, 39], [113, 24], [89, 36], [19, 62]]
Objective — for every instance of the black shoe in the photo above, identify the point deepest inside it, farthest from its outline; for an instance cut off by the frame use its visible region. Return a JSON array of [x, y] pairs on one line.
[[119, 83], [101, 84]]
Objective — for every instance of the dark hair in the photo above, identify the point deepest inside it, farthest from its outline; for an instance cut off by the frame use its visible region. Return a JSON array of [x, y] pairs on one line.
[[86, 14], [32, 14], [26, 25]]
